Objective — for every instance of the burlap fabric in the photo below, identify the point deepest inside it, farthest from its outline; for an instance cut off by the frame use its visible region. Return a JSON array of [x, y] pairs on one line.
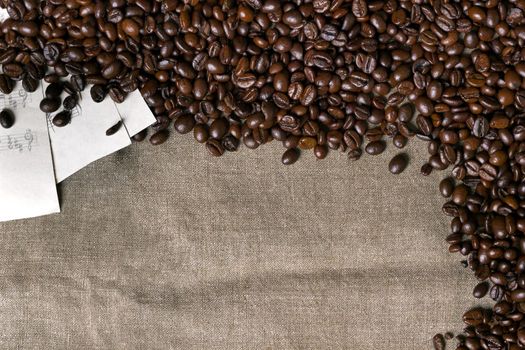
[[169, 248]]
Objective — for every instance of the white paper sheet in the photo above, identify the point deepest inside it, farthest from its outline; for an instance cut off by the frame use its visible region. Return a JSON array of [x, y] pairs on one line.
[[135, 113], [84, 140], [27, 181], [3, 15]]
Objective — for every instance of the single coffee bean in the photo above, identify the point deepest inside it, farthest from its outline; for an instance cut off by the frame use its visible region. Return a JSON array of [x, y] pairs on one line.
[[215, 147], [70, 102], [141, 136], [230, 143], [54, 90], [184, 124], [6, 84], [62, 119], [114, 129], [29, 84], [159, 137], [290, 156], [375, 147], [480, 290], [7, 120], [98, 93], [438, 341], [398, 163], [49, 105], [446, 187], [473, 317]]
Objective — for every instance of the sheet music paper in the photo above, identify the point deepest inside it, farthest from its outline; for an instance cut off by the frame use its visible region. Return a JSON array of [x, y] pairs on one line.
[[135, 113], [84, 139], [27, 181]]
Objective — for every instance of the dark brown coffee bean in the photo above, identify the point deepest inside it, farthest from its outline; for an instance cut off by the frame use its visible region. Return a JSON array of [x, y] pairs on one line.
[[62, 119], [230, 143], [98, 93], [7, 120], [70, 102], [473, 317], [13, 70], [114, 129], [6, 84], [184, 124], [54, 90], [159, 137], [375, 147], [446, 187], [49, 105], [398, 163], [290, 156], [214, 147], [29, 84], [438, 341], [480, 290]]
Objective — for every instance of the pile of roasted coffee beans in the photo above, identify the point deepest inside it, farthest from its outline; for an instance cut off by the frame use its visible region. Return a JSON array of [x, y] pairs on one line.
[[320, 75]]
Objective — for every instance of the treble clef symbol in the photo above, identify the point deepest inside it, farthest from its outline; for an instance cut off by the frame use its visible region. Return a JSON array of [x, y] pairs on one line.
[[23, 94], [29, 138]]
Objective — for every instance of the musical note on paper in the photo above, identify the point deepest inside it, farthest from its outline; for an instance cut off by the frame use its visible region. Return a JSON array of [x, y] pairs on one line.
[[18, 142], [17, 99]]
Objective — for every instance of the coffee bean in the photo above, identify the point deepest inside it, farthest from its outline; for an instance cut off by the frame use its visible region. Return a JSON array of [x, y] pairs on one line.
[[114, 129], [159, 137], [438, 341], [6, 84], [230, 143], [214, 147], [49, 105], [398, 163], [62, 119], [184, 124], [473, 317], [7, 120], [446, 187], [70, 102], [54, 90], [375, 147], [290, 156], [29, 84], [98, 93], [480, 290]]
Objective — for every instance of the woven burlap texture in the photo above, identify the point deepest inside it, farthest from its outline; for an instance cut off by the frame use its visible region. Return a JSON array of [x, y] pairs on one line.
[[168, 248]]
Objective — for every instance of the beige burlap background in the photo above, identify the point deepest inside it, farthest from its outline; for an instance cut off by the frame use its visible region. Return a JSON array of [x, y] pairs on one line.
[[169, 248]]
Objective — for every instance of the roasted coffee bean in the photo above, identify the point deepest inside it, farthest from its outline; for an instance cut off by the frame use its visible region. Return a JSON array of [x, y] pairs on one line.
[[98, 93], [49, 105], [438, 341], [54, 90], [6, 84], [7, 120], [290, 156], [446, 187], [70, 102], [184, 124], [214, 147], [62, 119], [473, 317], [141, 136], [375, 147], [480, 290], [230, 143], [398, 163], [29, 84], [159, 137], [114, 129]]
